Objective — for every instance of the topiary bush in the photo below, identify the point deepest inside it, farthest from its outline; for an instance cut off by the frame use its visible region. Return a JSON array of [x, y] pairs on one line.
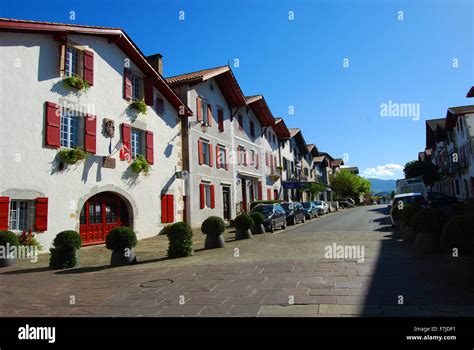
[[258, 218], [428, 220], [243, 222], [180, 237], [459, 233], [9, 238], [121, 238], [63, 253], [409, 210], [213, 225]]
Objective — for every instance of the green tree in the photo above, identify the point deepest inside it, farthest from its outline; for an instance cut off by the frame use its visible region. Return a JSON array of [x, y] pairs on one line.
[[346, 184], [314, 188], [426, 169]]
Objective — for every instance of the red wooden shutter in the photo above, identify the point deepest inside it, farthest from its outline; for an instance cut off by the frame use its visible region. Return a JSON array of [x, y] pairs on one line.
[[90, 132], [220, 120], [149, 148], [88, 71], [164, 209], [4, 206], [213, 200], [256, 161], [274, 162], [218, 154], [41, 221], [275, 195], [259, 190], [127, 84], [126, 134], [211, 156], [269, 194], [199, 109], [148, 91], [170, 208], [202, 196], [53, 125], [200, 153], [209, 114]]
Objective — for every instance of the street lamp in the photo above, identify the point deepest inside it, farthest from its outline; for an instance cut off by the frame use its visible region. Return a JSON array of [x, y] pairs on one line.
[[196, 122]]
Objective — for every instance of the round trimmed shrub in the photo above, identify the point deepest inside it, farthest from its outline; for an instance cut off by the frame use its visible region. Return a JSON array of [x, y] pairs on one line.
[[8, 237], [121, 238], [258, 218], [180, 237], [459, 233], [63, 253], [428, 220], [408, 212], [68, 240], [243, 222], [213, 225]]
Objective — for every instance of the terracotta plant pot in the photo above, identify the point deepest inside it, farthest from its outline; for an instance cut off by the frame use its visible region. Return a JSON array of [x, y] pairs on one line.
[[119, 258], [243, 234], [214, 241]]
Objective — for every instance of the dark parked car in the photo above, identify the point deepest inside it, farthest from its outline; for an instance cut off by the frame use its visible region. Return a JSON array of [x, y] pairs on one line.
[[446, 204], [407, 198], [346, 203], [294, 212], [310, 210], [275, 216]]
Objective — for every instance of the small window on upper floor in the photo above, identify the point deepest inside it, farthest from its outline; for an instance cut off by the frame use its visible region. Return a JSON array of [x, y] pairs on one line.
[[160, 106], [138, 142], [72, 129], [73, 62], [137, 85]]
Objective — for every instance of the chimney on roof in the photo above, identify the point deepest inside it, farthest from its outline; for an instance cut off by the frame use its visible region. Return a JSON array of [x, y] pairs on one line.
[[156, 61]]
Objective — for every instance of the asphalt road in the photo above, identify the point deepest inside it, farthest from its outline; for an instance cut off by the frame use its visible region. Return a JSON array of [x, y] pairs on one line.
[[367, 218]]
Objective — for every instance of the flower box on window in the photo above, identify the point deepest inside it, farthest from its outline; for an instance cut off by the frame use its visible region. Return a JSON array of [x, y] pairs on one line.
[[72, 155], [76, 82], [140, 165], [140, 106]]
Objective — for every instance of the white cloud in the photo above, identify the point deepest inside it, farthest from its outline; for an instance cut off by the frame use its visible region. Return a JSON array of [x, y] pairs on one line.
[[387, 170]]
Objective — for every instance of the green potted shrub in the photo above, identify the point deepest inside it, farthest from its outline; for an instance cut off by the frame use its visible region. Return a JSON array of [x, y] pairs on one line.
[[258, 219], [213, 227], [140, 165], [139, 105], [76, 82], [427, 224], [458, 233], [63, 253], [406, 217], [72, 155], [9, 243], [180, 240], [121, 241], [243, 223]]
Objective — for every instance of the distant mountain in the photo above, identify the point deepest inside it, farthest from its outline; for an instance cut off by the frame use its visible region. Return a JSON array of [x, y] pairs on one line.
[[379, 185]]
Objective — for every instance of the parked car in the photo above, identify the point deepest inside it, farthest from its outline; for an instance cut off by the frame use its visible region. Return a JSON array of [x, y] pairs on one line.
[[322, 206], [275, 216], [346, 203], [310, 210], [294, 212], [407, 198], [446, 204]]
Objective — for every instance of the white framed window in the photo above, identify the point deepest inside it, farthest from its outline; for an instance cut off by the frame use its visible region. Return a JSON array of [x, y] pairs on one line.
[[221, 159], [72, 62], [136, 87], [71, 128], [205, 115], [207, 195], [137, 142], [206, 153], [19, 216], [252, 157]]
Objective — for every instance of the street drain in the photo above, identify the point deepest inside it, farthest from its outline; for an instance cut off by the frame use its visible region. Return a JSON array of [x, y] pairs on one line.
[[156, 283]]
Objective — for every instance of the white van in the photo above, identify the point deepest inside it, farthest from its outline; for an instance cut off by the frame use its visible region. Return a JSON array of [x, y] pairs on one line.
[[412, 185]]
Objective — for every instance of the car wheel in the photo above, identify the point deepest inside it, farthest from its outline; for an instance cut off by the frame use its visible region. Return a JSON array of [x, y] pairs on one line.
[[273, 227]]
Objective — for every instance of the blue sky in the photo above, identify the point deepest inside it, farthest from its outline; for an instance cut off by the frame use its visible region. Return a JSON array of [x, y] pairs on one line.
[[300, 62]]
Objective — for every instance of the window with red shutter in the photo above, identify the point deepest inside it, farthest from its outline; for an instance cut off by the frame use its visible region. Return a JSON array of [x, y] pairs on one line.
[[220, 119], [90, 133], [149, 148], [256, 161], [211, 156], [218, 155], [41, 219], [126, 139], [53, 125], [200, 153], [148, 91], [160, 106], [127, 84], [88, 67], [209, 114], [4, 207], [266, 159]]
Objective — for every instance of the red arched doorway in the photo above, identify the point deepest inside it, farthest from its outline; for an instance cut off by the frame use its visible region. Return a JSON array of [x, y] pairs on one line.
[[99, 215]]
